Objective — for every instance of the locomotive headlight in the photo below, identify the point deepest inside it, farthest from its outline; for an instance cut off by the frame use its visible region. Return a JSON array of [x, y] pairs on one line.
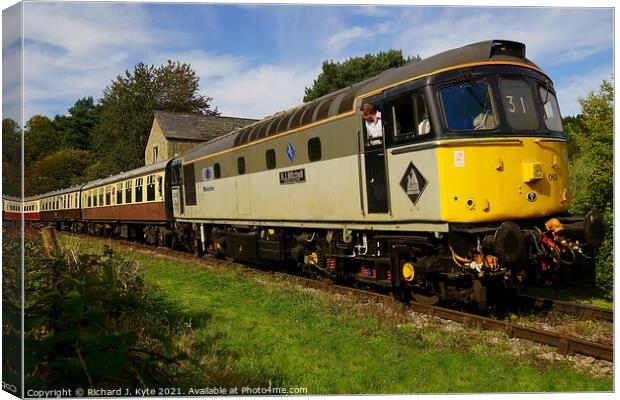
[[532, 171], [408, 271]]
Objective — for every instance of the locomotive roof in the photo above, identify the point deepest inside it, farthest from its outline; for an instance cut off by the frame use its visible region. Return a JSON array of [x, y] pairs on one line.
[[342, 101], [158, 166]]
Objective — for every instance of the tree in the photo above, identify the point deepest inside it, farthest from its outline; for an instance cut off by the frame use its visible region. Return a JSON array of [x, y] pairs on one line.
[[119, 139], [40, 139], [11, 157], [336, 76], [74, 130], [62, 169], [591, 168]]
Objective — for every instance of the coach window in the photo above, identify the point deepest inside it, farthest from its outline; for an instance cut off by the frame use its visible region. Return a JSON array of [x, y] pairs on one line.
[[518, 104], [101, 196], [150, 188], [128, 195], [119, 193], [108, 197], [551, 110], [270, 158], [241, 165], [90, 200], [314, 149], [139, 182], [468, 106]]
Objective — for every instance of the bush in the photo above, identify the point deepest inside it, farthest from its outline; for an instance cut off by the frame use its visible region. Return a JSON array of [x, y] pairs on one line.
[[92, 321], [591, 170]]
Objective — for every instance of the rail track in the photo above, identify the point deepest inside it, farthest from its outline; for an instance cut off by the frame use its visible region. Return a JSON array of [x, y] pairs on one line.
[[565, 344], [564, 307]]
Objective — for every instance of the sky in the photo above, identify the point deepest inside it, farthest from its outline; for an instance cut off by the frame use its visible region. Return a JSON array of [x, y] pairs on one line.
[[256, 60]]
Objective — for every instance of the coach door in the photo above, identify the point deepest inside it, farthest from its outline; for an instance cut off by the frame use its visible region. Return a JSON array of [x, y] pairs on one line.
[[377, 193], [177, 193]]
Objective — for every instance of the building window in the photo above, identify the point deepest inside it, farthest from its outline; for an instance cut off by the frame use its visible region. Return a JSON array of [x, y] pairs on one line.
[[314, 149], [241, 165], [270, 158], [155, 154]]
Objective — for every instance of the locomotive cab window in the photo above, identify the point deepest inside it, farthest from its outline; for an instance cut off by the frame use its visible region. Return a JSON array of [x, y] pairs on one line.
[[407, 118], [314, 149], [468, 106], [518, 104], [551, 110]]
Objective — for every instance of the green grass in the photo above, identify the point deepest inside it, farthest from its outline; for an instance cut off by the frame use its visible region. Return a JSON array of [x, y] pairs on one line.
[[584, 294], [272, 331]]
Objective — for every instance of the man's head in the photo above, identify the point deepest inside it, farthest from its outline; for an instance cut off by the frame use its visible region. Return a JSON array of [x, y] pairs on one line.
[[368, 111]]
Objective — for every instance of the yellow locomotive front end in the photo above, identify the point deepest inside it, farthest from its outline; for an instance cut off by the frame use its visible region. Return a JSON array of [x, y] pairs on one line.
[[502, 167], [511, 178]]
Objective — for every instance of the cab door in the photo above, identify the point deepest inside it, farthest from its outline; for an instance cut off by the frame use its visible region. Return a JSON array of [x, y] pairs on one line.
[[375, 166]]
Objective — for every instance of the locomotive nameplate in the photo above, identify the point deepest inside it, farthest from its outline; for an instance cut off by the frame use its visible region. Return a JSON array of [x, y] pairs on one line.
[[293, 176]]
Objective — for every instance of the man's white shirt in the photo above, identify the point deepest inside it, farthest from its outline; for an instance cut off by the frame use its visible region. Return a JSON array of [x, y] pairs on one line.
[[374, 129]]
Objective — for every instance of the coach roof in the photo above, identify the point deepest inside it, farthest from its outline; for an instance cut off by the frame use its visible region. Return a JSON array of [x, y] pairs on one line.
[[342, 101], [146, 170]]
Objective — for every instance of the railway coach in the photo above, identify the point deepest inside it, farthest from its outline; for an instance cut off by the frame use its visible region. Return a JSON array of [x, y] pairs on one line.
[[62, 208], [131, 205], [466, 188], [14, 208]]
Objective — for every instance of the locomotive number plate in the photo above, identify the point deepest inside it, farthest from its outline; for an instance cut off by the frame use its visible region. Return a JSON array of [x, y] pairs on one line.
[[293, 176]]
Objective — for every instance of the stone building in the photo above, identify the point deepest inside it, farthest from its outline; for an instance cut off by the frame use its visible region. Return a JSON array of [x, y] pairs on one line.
[[172, 133]]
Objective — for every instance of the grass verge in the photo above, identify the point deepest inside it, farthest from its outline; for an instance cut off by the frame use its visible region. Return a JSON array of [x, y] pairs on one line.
[[272, 332]]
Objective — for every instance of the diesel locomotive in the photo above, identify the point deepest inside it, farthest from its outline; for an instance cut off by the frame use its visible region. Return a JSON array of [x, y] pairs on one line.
[[465, 191]]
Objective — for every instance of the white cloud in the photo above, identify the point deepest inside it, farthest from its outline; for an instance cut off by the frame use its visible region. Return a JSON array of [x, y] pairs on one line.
[[552, 36], [74, 50], [343, 38], [11, 63], [260, 91], [571, 88]]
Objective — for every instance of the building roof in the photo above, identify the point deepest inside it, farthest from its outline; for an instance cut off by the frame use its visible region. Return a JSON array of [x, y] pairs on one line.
[[197, 127]]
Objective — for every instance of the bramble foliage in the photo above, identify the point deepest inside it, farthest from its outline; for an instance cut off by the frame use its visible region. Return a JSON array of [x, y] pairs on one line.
[[127, 107], [336, 75], [61, 169], [92, 321], [591, 169]]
